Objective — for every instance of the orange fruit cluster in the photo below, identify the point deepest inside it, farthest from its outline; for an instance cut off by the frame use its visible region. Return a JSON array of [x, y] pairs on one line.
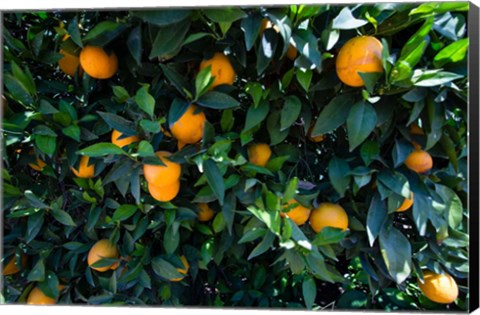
[[103, 249], [163, 180]]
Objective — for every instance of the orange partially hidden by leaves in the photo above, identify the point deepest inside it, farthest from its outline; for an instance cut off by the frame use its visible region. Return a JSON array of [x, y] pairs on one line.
[[102, 249], [221, 69], [12, 268], [84, 170], [291, 52], [97, 63], [182, 270], [259, 154], [37, 297], [38, 165], [124, 141], [359, 54], [440, 288], [69, 63], [416, 130], [419, 161], [318, 138], [206, 213], [328, 214], [188, 129], [164, 193], [407, 203], [299, 214], [162, 175]]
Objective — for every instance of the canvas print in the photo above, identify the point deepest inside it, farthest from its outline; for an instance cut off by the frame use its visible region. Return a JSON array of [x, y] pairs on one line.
[[282, 157]]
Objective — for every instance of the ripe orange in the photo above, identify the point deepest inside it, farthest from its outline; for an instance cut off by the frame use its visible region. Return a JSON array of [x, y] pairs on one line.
[[162, 175], [328, 214], [102, 249], [164, 193], [407, 203], [97, 63], [189, 128], [259, 154], [84, 170], [318, 138], [221, 69], [12, 268], [37, 297], [299, 214], [359, 54], [206, 213], [182, 270], [122, 142], [291, 52], [38, 165], [440, 288], [419, 161], [69, 63]]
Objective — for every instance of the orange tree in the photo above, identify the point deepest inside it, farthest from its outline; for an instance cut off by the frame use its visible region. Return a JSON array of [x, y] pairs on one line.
[[298, 156]]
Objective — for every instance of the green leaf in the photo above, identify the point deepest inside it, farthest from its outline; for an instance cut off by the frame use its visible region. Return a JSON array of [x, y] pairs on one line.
[[124, 212], [177, 80], [397, 253], [337, 170], [227, 121], [63, 217], [395, 181], [169, 39], [273, 127], [370, 79], [73, 132], [38, 272], [256, 115], [329, 235], [215, 179], [50, 286], [346, 21], [290, 190], [252, 235], [376, 217], [454, 52], [266, 50], [369, 151], [177, 109], [165, 269], [171, 239], [333, 115], [224, 15], [119, 123], [263, 246], [453, 205], [104, 32], [433, 78], [145, 101], [353, 300], [304, 77], [217, 100], [134, 43], [228, 210], [150, 126], [17, 89], [46, 144], [163, 17], [309, 290], [290, 112], [251, 27], [360, 123], [101, 149], [74, 32], [203, 81], [255, 90]]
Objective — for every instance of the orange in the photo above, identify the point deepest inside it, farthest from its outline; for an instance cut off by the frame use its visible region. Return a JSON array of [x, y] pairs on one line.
[[259, 154], [97, 63], [416, 130], [359, 54], [182, 270], [189, 128], [206, 213], [291, 52], [440, 288], [37, 297], [318, 138], [122, 142], [164, 193], [38, 165], [419, 161], [299, 214], [69, 63], [12, 268], [162, 175], [84, 170], [328, 214], [102, 249], [221, 69], [407, 203]]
